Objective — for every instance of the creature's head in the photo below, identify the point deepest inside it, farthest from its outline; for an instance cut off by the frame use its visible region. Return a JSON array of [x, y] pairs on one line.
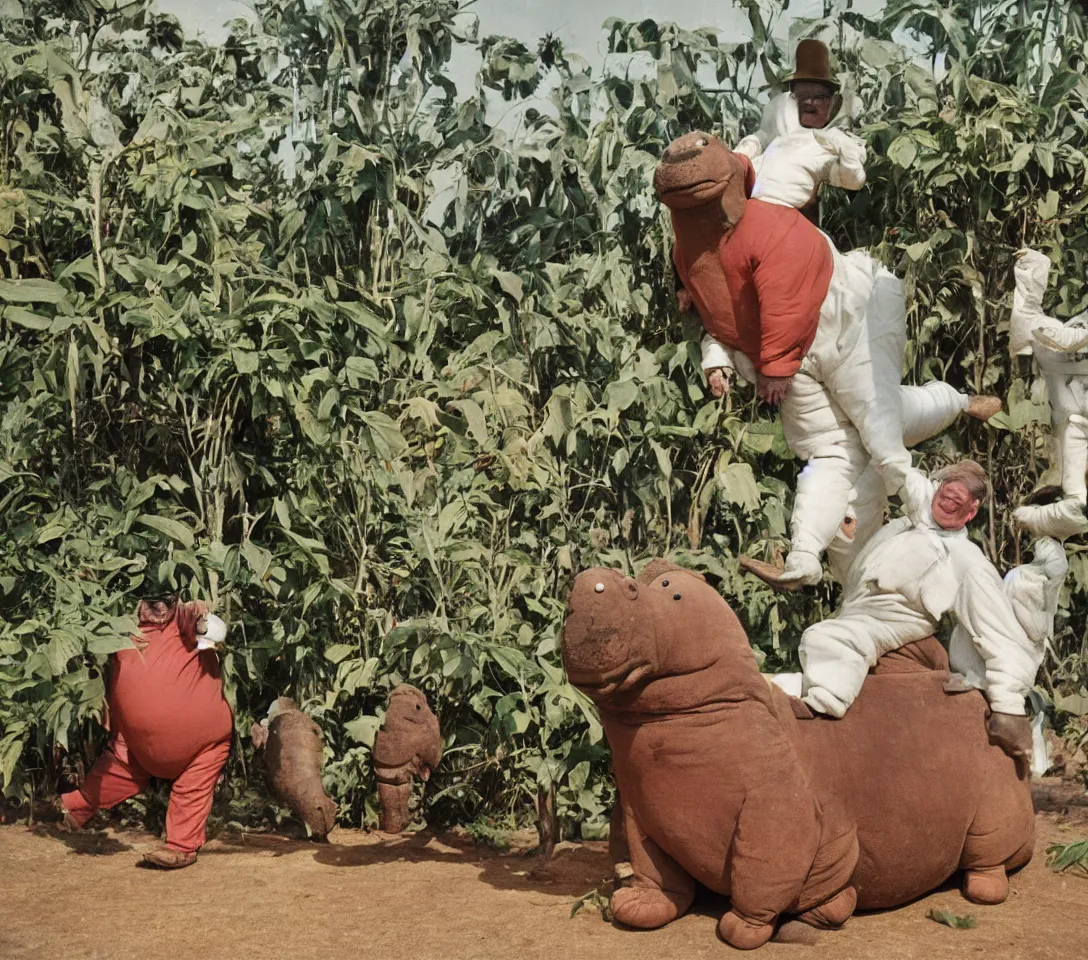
[[318, 812], [157, 611], [664, 643], [408, 744], [1030, 271], [698, 169]]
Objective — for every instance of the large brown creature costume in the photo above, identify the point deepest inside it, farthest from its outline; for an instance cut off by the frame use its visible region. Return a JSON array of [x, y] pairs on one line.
[[723, 785], [408, 744], [293, 750]]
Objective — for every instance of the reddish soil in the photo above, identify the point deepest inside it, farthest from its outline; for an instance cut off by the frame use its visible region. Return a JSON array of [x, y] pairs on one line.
[[422, 897]]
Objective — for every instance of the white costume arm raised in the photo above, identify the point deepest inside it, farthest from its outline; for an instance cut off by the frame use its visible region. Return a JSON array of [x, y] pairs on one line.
[[753, 145], [780, 117], [984, 612], [848, 171]]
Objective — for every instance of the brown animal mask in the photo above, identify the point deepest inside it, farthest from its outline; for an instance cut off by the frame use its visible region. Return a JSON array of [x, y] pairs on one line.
[[611, 650], [697, 169], [408, 744]]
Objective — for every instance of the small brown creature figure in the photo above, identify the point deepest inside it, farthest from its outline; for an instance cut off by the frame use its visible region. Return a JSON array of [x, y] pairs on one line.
[[292, 745], [408, 744]]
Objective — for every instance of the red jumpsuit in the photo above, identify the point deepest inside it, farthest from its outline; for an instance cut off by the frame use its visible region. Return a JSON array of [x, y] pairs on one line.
[[169, 720]]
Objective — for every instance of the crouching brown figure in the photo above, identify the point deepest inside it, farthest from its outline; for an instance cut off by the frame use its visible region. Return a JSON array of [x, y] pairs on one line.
[[810, 819]]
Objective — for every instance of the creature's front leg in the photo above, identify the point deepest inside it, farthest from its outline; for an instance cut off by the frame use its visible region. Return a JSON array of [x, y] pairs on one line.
[[660, 891], [774, 848]]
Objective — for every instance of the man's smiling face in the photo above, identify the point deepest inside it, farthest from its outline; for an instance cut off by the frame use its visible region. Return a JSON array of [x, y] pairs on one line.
[[954, 506]]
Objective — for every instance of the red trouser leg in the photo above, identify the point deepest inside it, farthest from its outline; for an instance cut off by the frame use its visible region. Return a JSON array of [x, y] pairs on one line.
[[191, 798], [116, 776]]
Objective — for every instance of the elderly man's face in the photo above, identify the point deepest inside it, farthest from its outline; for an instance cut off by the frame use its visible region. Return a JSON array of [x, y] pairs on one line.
[[953, 506], [813, 102]]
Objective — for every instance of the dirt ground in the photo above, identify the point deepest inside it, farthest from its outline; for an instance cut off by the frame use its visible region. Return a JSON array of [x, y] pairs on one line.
[[423, 897]]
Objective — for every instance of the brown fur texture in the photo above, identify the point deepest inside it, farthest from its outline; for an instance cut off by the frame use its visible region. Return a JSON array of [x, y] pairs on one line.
[[408, 744], [724, 785], [293, 750]]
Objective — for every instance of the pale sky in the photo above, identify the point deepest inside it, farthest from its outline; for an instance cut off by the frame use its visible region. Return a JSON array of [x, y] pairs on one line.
[[576, 22]]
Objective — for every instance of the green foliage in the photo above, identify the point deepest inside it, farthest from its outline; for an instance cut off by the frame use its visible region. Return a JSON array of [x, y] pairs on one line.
[[1068, 856], [598, 899], [375, 365], [486, 832]]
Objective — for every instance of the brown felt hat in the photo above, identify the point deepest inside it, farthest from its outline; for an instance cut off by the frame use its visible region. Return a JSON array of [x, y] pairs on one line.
[[813, 62]]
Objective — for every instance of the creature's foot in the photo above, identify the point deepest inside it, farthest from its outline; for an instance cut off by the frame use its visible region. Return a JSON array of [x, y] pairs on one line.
[[983, 406], [744, 934], [1062, 519], [1067, 340], [166, 859], [987, 885], [646, 907], [801, 570], [795, 932], [834, 913]]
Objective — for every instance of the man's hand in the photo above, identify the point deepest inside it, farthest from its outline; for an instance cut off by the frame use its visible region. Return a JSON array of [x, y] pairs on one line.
[[718, 379], [1012, 733], [684, 299], [773, 390], [849, 149]]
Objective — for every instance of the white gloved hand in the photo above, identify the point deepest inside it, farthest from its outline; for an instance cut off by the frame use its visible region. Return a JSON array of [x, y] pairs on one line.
[[849, 149], [917, 496], [210, 632]]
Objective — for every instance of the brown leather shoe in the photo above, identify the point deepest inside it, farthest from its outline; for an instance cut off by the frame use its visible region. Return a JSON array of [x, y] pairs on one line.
[[983, 406], [67, 823], [769, 574], [166, 859]]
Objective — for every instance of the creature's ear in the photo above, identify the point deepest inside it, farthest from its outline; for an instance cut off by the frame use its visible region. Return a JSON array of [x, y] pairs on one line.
[[657, 568]]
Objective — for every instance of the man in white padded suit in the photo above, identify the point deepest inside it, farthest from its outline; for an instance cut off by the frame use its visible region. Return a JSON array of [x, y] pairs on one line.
[[907, 577], [802, 143], [1061, 354]]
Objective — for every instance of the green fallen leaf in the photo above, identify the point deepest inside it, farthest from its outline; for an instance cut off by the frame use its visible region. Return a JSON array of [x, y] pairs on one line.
[[950, 919]]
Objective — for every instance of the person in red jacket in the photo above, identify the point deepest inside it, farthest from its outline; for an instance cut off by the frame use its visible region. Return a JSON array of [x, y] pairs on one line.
[[820, 333], [168, 719]]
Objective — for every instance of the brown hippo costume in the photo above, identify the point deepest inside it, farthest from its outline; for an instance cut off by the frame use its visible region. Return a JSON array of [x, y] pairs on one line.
[[722, 784]]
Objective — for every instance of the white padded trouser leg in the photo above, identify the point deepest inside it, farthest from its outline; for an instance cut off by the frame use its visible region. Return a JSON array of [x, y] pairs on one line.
[[836, 654], [929, 409], [819, 432]]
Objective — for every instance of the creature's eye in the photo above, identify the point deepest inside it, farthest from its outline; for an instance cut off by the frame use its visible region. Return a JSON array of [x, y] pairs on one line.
[[664, 583], [701, 142], [418, 707]]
